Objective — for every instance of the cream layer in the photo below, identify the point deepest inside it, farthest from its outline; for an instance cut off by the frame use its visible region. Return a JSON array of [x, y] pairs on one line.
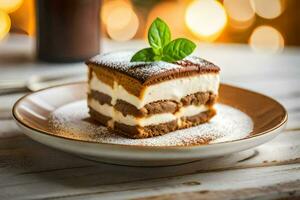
[[168, 90], [117, 116]]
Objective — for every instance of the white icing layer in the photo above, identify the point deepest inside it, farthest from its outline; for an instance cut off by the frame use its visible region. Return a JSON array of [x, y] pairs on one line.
[[104, 109], [191, 110], [168, 90], [117, 116], [152, 120], [178, 88], [98, 85]]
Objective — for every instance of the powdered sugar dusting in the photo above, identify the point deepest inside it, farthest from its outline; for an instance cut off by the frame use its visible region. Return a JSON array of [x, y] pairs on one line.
[[120, 61], [72, 121]]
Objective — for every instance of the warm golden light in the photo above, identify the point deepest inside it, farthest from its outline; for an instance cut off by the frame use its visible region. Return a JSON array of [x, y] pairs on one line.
[[109, 5], [122, 23], [4, 24], [266, 39], [268, 9], [9, 6], [172, 12], [240, 12], [24, 18], [206, 19]]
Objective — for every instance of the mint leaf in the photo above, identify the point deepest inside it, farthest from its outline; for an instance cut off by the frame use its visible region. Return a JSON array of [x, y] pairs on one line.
[[162, 48], [159, 35], [178, 49], [144, 55]]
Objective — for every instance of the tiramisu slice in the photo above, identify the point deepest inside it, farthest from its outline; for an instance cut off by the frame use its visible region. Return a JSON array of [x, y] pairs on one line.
[[146, 99]]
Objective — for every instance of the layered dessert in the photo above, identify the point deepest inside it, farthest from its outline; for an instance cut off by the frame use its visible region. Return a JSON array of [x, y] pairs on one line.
[[146, 99]]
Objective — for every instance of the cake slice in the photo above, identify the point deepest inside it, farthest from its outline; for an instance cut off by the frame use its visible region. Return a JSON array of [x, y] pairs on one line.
[[146, 99]]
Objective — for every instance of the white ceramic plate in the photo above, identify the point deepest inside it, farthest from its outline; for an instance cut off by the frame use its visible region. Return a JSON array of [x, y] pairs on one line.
[[33, 114]]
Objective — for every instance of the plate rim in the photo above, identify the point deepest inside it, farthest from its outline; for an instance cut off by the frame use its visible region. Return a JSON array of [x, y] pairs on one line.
[[19, 122]]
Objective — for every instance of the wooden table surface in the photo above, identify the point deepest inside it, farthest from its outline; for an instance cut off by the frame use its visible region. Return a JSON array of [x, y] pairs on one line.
[[29, 170]]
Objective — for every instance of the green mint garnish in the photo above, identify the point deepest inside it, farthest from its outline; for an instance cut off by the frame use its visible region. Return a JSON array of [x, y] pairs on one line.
[[146, 54], [162, 48], [159, 35], [178, 49]]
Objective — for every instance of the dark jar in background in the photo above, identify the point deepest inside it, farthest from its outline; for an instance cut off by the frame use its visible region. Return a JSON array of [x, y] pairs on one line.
[[67, 30]]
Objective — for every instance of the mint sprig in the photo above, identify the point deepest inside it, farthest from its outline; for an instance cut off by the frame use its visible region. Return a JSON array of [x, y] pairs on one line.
[[146, 55], [178, 49], [161, 46], [159, 35]]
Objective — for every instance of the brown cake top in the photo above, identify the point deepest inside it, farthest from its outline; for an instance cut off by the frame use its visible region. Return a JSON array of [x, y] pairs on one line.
[[151, 72]]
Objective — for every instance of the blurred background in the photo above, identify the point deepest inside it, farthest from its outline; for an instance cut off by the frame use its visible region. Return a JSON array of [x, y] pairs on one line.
[[45, 42], [266, 25]]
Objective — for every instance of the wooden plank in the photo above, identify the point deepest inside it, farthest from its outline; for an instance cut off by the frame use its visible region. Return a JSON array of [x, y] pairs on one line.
[[34, 171], [289, 191], [8, 128], [253, 179]]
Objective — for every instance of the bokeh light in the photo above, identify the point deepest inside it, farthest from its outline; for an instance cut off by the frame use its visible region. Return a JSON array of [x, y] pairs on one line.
[[206, 19], [23, 19], [240, 12], [9, 6], [4, 24], [268, 9], [110, 5], [172, 12], [122, 23], [266, 39]]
